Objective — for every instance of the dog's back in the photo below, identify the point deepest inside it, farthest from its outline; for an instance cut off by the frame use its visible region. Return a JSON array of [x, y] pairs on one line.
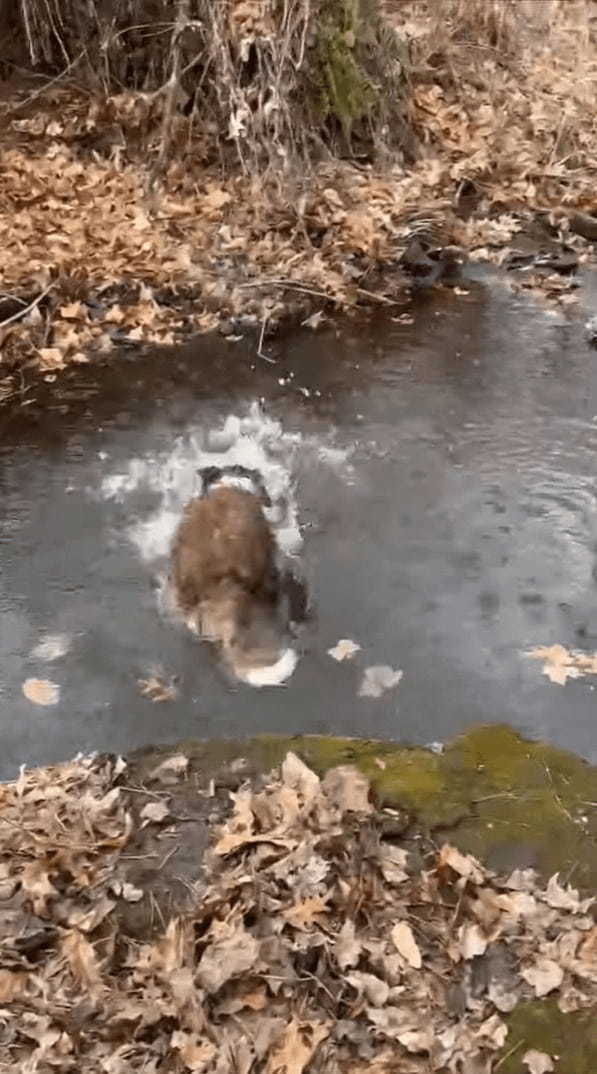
[[224, 540]]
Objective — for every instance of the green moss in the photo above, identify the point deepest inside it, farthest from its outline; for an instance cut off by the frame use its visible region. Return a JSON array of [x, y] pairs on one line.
[[345, 91], [530, 804], [570, 1037], [508, 801]]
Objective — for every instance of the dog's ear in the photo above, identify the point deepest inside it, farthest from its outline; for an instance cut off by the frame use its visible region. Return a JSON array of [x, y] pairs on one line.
[[209, 475]]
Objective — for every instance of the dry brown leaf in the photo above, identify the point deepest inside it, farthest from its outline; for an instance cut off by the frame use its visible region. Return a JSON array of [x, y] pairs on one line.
[[37, 885], [463, 864], [172, 770], [472, 941], [296, 1046], [228, 955], [538, 1062], [157, 689], [561, 664], [369, 987], [83, 962], [87, 919], [13, 985], [196, 1054], [238, 829], [300, 778], [544, 976], [347, 948], [378, 679], [344, 649], [392, 863], [406, 945], [565, 898], [41, 691], [306, 913], [154, 813], [347, 789]]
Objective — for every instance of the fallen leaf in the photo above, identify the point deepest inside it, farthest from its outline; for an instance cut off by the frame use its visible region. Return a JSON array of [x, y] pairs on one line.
[[13, 985], [463, 864], [51, 647], [344, 649], [304, 914], [87, 919], [406, 945], [125, 890], [37, 885], [196, 1054], [561, 664], [83, 962], [565, 898], [226, 957], [347, 789], [172, 769], [157, 689], [347, 948], [300, 778], [296, 1046], [538, 1062], [154, 813], [378, 679], [472, 941], [41, 691], [544, 976], [370, 987]]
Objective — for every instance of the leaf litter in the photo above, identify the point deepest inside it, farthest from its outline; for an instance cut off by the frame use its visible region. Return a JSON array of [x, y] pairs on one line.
[[301, 950], [115, 258]]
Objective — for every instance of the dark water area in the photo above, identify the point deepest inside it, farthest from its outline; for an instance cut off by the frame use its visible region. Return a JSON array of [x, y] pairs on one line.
[[441, 474]]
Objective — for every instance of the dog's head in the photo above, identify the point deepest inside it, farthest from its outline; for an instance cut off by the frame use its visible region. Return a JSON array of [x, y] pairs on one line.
[[234, 476], [250, 637]]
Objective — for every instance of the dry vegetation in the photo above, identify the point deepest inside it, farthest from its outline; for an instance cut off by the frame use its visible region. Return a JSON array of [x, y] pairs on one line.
[[320, 933], [170, 165]]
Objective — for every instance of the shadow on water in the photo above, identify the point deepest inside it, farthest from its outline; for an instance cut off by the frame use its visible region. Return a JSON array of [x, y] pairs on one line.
[[442, 475]]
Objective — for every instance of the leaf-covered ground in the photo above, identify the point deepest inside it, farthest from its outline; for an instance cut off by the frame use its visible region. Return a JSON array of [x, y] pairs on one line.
[[99, 252], [318, 930]]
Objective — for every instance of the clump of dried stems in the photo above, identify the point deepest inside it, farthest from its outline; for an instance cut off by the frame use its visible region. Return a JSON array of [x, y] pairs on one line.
[[269, 81]]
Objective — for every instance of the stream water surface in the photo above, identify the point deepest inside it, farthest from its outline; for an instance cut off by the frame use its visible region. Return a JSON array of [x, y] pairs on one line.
[[437, 481]]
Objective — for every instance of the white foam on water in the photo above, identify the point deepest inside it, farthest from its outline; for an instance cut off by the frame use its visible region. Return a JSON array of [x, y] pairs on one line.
[[253, 440], [271, 674]]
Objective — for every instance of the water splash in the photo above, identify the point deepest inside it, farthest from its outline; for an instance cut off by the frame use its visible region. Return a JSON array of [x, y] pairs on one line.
[[253, 440]]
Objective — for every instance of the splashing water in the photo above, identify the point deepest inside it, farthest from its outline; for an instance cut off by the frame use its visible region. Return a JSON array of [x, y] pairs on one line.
[[252, 440]]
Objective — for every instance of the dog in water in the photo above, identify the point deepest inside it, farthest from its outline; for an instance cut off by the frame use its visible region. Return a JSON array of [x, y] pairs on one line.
[[226, 577]]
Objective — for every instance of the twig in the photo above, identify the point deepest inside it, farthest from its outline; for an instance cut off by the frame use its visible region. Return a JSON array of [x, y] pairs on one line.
[[378, 298], [23, 313], [513, 1049], [51, 82], [291, 286], [260, 353]]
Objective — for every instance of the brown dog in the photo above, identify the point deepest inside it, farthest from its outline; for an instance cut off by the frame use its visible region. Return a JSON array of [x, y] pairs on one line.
[[226, 584]]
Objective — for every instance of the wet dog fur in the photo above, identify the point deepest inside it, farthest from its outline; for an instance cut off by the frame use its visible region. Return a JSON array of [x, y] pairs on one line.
[[225, 572]]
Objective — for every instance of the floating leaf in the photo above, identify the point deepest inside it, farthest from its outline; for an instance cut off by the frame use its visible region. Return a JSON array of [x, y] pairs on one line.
[[41, 691]]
